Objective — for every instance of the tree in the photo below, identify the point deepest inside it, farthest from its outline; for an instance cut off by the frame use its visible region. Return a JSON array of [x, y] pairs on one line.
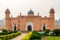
[[56, 32]]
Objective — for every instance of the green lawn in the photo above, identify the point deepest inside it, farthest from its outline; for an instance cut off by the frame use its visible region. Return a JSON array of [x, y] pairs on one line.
[[53, 38]]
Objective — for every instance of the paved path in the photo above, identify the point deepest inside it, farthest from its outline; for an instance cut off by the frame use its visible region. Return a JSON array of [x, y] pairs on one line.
[[19, 37]]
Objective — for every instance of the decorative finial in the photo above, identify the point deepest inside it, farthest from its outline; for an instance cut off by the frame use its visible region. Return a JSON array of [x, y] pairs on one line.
[[38, 13], [20, 13]]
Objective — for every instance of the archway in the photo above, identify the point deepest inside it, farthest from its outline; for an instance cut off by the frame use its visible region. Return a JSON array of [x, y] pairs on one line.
[[14, 27], [29, 28], [44, 27]]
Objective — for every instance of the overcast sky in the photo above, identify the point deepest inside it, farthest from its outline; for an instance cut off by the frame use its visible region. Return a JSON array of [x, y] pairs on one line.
[[23, 6]]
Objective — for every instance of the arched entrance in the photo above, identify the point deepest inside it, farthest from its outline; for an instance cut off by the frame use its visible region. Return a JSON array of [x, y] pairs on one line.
[[29, 26], [14, 27], [44, 27]]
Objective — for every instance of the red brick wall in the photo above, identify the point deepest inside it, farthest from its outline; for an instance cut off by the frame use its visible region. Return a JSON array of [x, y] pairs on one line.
[[36, 20]]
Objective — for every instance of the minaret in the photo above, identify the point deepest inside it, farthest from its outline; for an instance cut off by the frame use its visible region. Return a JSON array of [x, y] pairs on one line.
[[7, 13], [7, 19], [38, 13], [51, 13], [52, 19], [20, 13]]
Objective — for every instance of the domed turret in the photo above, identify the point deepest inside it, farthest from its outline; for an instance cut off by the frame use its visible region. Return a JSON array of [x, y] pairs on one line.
[[7, 11], [52, 10], [52, 13]]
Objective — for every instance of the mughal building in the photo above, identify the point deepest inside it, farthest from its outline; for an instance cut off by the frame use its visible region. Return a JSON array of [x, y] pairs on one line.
[[29, 22]]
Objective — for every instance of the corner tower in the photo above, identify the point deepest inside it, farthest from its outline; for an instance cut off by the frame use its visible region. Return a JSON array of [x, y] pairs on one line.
[[52, 18], [52, 13], [7, 13], [7, 19]]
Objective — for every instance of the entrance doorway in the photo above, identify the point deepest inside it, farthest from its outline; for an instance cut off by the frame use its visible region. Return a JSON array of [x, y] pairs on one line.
[[14, 27], [44, 27], [29, 28]]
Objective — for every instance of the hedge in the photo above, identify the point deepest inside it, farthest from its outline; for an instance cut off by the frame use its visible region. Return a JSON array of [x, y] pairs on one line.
[[27, 36], [34, 35], [9, 36], [4, 37]]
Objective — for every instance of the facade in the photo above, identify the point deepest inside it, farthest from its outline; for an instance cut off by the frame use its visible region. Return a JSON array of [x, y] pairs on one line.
[[29, 22]]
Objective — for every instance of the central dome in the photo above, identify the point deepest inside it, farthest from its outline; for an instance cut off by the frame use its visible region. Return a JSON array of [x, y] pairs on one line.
[[30, 11]]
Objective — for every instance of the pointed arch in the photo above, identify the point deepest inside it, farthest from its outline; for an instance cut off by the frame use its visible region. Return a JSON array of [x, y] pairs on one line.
[[29, 24], [14, 27], [44, 27]]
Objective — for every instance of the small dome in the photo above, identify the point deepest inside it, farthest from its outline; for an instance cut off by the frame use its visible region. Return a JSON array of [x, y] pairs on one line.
[[7, 10], [52, 10], [30, 11]]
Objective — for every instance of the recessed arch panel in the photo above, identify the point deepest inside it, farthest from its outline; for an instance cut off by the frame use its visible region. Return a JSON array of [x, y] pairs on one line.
[[27, 25]]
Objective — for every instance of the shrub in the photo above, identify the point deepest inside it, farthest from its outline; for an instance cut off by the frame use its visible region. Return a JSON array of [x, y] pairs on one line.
[[51, 33], [15, 31], [56, 32], [13, 35], [4, 37], [12, 32], [47, 31], [32, 36], [27, 36], [3, 33], [4, 30], [9, 36], [18, 33], [35, 35], [42, 33]]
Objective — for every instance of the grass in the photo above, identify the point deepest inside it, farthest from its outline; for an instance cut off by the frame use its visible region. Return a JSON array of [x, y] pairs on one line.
[[53, 38]]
